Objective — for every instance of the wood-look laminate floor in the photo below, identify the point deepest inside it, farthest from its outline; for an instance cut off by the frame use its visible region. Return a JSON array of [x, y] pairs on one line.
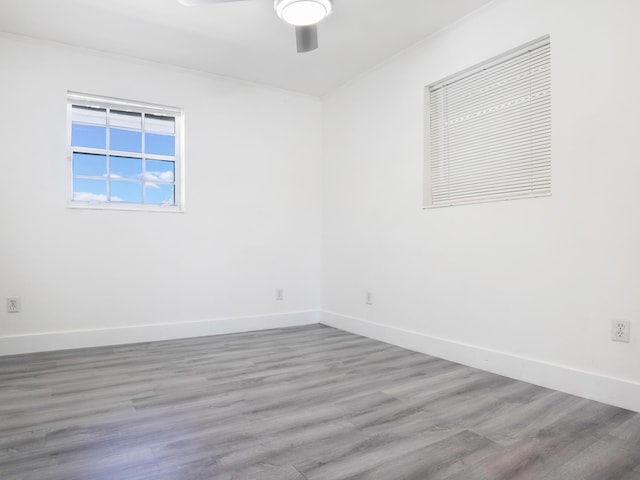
[[308, 403]]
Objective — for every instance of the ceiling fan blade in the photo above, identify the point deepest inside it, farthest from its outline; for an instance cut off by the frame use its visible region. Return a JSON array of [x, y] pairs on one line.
[[196, 3], [307, 38]]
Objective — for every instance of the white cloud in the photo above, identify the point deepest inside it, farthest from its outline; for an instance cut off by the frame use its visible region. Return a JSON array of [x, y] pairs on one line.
[[89, 197], [93, 197], [166, 176]]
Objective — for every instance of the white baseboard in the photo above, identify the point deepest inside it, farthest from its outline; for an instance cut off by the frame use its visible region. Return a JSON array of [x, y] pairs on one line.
[[41, 342], [610, 390]]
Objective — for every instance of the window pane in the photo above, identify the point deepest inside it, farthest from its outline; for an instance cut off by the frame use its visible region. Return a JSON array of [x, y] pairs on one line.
[[157, 124], [89, 190], [160, 194], [88, 136], [95, 116], [159, 171], [125, 167], [160, 144], [125, 119], [126, 140], [89, 165], [129, 192]]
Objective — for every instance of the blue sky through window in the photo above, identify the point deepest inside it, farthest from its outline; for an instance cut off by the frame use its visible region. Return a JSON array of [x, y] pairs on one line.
[[126, 140], [129, 192], [160, 194], [159, 171], [160, 144], [87, 190], [88, 136], [89, 165], [126, 167]]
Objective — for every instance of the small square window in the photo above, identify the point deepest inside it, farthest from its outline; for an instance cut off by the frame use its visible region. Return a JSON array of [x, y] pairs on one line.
[[124, 155]]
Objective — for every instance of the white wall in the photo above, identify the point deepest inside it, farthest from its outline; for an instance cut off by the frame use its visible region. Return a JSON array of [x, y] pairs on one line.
[[525, 288], [252, 220]]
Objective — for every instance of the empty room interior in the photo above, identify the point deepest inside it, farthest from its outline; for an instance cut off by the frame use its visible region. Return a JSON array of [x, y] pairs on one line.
[[320, 240]]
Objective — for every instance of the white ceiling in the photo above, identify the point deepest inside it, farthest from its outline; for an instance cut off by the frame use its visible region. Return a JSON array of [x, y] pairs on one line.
[[241, 39]]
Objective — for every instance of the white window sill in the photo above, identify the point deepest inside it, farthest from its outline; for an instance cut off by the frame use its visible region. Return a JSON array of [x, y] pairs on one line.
[[131, 207]]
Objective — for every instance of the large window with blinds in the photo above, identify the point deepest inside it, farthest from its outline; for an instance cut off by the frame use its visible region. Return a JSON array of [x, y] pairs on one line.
[[124, 154], [488, 132]]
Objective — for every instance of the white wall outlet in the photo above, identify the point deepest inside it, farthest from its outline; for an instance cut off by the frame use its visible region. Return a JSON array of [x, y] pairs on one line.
[[13, 305], [621, 330], [279, 294], [368, 298]]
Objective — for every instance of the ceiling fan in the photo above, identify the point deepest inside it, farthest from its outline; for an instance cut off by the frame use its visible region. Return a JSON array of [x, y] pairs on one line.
[[303, 14]]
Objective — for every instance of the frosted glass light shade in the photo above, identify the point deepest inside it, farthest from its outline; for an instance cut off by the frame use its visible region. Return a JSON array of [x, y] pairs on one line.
[[303, 12]]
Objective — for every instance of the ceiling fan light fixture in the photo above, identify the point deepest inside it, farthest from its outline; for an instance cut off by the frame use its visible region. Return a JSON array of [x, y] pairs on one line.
[[303, 12]]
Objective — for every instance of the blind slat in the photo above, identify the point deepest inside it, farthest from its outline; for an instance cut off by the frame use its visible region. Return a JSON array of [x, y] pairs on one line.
[[474, 175]]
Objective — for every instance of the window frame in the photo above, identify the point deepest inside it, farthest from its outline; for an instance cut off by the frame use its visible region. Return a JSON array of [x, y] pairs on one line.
[[109, 103], [440, 151]]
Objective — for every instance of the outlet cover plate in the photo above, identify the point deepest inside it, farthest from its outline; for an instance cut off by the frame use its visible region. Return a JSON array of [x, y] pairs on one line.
[[621, 330], [368, 298], [13, 305]]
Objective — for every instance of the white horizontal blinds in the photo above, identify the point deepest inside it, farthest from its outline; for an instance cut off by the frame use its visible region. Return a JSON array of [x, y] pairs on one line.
[[82, 99], [490, 131]]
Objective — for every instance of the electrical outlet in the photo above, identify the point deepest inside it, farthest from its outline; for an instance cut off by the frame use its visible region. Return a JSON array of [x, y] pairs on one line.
[[13, 305], [368, 298], [279, 294], [621, 330]]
